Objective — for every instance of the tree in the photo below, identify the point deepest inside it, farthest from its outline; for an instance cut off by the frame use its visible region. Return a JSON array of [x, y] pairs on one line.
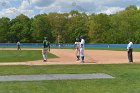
[[41, 28], [123, 26], [4, 29], [76, 26], [20, 29], [131, 7], [58, 26], [65, 27], [99, 26]]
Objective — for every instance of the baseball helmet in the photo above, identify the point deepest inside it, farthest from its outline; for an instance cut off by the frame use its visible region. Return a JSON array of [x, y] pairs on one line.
[[81, 36], [77, 39]]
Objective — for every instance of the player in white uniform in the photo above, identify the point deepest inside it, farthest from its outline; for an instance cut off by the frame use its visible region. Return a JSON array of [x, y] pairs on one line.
[[77, 48], [82, 47]]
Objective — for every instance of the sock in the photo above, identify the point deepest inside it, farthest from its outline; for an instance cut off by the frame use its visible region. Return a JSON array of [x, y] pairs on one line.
[[78, 57], [82, 58]]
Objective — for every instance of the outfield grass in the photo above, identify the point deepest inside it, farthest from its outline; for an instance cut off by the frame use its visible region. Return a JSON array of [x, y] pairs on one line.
[[22, 55], [127, 79]]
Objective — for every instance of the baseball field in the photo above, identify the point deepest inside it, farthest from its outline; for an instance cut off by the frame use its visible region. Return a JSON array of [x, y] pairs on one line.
[[62, 61]]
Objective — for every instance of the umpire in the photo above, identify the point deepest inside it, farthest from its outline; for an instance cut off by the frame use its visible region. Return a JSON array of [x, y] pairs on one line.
[[130, 50]]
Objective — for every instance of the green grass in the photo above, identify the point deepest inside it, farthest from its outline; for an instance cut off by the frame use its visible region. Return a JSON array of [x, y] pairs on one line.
[[22, 55], [127, 79]]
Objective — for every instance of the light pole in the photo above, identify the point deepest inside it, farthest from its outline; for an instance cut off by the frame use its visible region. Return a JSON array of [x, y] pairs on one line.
[[78, 6]]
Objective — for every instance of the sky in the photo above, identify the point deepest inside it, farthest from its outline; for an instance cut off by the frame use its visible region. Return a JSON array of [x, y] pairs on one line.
[[30, 8]]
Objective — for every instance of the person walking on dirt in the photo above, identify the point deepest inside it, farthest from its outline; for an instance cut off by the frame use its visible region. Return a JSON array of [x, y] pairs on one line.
[[46, 48], [130, 50], [82, 47], [77, 48]]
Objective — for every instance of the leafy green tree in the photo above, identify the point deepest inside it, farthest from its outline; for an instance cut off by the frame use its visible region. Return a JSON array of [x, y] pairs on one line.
[[123, 26], [116, 28], [99, 26], [58, 26], [131, 7], [4, 29], [20, 29], [76, 26], [41, 28]]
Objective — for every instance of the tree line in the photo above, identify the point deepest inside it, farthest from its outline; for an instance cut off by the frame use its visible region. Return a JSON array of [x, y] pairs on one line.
[[115, 28]]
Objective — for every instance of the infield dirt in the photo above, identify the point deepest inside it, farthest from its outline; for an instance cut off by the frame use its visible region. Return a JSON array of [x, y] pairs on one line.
[[67, 56]]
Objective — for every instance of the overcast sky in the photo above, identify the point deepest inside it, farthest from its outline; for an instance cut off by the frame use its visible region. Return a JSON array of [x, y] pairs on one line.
[[12, 8]]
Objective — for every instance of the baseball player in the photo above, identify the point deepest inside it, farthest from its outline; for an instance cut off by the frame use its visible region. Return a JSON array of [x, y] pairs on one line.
[[82, 47], [77, 48], [46, 48], [18, 46]]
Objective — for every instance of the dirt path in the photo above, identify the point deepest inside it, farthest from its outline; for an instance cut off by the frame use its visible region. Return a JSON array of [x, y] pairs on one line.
[[67, 56]]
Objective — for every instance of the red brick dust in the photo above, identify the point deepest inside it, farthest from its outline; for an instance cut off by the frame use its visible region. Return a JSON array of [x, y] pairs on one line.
[[67, 56]]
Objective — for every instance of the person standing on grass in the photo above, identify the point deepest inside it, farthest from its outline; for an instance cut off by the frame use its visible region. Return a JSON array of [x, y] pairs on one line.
[[46, 48], [18, 46], [130, 50]]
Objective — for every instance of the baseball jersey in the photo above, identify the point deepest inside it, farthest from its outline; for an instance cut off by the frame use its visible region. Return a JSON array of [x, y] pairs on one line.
[[82, 42], [46, 44], [77, 45]]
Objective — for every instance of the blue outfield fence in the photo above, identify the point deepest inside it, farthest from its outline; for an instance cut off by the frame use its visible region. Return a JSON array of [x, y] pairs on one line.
[[69, 45], [34, 45]]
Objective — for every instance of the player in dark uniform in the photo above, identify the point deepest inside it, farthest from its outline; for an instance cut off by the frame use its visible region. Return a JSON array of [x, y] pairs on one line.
[[46, 48]]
